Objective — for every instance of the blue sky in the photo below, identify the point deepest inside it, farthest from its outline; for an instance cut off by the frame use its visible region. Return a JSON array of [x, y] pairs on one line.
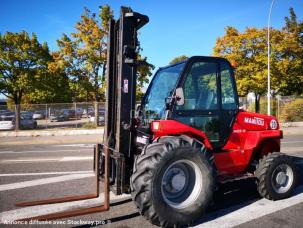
[[176, 27]]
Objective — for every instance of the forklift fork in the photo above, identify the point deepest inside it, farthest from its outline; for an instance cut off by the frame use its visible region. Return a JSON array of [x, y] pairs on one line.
[[82, 211]]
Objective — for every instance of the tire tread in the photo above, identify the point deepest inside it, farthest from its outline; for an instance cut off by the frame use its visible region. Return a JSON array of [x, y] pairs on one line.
[[146, 163]]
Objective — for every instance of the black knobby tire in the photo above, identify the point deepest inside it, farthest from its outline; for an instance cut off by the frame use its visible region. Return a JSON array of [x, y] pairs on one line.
[[269, 184], [161, 157]]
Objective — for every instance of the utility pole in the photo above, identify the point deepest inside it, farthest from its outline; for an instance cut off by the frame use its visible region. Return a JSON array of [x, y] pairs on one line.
[[268, 58]]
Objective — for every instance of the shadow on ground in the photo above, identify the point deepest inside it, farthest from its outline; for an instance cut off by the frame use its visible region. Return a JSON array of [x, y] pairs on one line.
[[229, 198], [238, 194]]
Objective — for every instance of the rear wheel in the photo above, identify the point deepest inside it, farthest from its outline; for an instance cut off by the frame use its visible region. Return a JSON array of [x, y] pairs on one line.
[[276, 176], [173, 180]]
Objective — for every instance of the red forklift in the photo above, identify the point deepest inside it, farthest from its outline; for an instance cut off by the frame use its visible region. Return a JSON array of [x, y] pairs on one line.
[[186, 137]]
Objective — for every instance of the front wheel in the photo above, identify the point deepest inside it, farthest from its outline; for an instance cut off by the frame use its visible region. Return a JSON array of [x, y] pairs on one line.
[[276, 176], [173, 180]]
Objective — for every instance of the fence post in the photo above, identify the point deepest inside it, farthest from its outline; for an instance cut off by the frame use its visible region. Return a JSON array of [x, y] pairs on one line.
[[278, 101], [49, 111], [46, 116], [76, 114], [96, 104]]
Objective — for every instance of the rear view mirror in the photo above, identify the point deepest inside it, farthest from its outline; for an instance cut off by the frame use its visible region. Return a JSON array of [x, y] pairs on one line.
[[179, 96]]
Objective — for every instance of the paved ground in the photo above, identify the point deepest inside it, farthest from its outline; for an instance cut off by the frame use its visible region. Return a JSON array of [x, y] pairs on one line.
[[49, 140], [41, 168]]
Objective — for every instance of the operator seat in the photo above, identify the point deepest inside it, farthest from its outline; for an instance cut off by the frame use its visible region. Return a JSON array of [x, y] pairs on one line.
[[206, 100]]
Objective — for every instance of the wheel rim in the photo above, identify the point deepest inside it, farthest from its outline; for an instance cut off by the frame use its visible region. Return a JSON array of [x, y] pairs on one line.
[[282, 178], [181, 184]]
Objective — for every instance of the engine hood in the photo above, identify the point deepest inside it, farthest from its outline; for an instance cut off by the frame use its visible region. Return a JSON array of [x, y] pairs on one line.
[[255, 122]]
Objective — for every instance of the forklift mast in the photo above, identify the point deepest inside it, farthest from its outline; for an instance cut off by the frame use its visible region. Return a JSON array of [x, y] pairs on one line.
[[121, 77], [112, 157]]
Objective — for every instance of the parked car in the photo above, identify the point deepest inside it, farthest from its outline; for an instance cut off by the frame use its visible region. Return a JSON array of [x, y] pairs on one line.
[[88, 112], [80, 112], [58, 116], [39, 115], [28, 113], [6, 113], [101, 117], [3, 112], [71, 113], [9, 122], [27, 122]]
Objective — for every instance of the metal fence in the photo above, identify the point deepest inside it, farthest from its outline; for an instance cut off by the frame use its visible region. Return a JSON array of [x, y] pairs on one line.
[[285, 108], [82, 115], [52, 116]]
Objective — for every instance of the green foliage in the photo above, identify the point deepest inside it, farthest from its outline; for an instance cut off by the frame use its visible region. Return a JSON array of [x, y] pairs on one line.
[[226, 85], [263, 106], [292, 111], [83, 54], [178, 59], [293, 55], [144, 72], [23, 64], [55, 88], [247, 51], [25, 73], [10, 104]]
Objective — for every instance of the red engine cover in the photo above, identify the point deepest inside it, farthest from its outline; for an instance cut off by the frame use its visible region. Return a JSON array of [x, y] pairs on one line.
[[256, 122]]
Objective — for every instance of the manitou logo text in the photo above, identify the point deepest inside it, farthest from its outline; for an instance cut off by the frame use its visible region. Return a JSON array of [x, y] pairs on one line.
[[255, 121]]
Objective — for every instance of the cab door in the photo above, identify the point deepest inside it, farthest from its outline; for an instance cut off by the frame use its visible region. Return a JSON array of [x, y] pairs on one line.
[[209, 99]]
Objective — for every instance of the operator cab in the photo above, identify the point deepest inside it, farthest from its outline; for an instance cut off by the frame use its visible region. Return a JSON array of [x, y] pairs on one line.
[[199, 92]]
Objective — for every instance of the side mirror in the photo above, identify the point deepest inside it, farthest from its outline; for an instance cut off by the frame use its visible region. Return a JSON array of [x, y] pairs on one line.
[[179, 96]]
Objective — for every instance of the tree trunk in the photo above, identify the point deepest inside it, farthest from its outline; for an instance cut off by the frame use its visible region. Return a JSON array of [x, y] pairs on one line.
[[96, 107], [17, 116], [257, 102], [17, 99]]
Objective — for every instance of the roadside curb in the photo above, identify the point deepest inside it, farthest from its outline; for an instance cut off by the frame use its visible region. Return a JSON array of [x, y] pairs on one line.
[[289, 128], [292, 128], [58, 132], [291, 124]]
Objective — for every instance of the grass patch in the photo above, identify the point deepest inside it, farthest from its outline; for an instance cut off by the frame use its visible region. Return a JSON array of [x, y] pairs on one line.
[[89, 125]]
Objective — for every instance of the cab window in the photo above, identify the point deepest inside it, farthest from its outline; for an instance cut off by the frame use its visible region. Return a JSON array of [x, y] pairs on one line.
[[227, 91]]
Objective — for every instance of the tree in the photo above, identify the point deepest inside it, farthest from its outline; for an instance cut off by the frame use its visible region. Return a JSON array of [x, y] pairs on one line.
[[178, 59], [144, 72], [54, 88], [23, 65], [293, 56], [247, 51], [84, 55]]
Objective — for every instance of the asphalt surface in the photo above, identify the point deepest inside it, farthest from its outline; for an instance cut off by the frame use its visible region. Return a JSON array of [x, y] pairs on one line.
[[37, 171]]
